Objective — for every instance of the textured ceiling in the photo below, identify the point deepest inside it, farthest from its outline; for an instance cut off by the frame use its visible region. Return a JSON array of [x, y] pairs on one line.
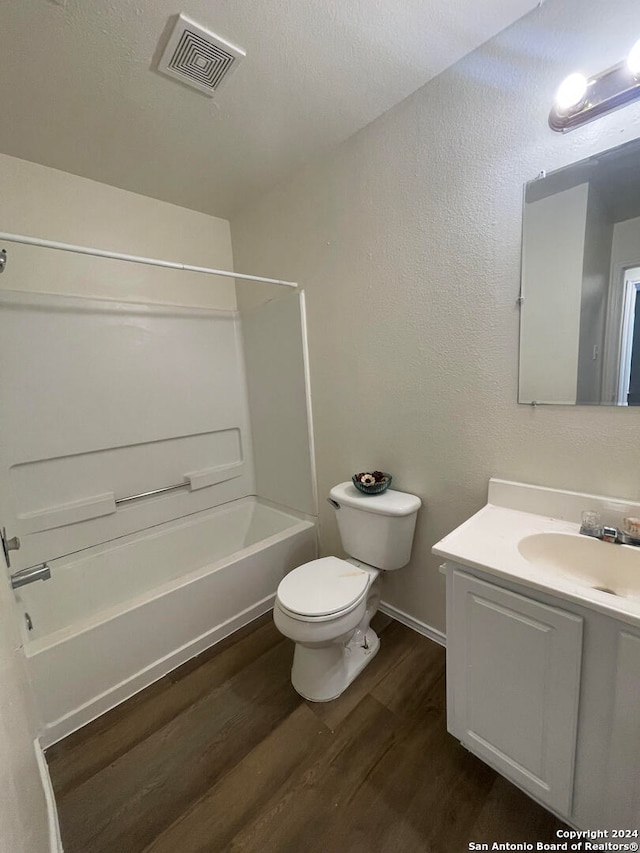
[[79, 92]]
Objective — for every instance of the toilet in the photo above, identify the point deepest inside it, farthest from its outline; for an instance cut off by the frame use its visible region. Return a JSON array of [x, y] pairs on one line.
[[325, 606]]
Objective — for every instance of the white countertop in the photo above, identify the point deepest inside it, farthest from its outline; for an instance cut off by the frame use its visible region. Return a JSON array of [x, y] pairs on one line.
[[489, 541]]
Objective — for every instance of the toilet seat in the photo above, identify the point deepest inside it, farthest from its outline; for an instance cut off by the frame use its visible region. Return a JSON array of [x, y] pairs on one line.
[[323, 589]]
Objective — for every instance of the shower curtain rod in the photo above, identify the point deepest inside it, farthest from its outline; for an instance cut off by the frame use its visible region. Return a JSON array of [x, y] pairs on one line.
[[134, 259]]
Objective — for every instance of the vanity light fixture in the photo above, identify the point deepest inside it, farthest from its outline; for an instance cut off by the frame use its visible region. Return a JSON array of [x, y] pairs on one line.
[[633, 60], [580, 99], [572, 94]]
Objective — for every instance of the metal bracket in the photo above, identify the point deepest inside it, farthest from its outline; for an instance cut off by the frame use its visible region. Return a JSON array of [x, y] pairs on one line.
[[12, 544], [30, 575], [3, 260]]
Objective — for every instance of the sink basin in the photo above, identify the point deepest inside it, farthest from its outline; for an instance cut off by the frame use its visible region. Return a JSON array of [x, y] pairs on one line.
[[614, 569]]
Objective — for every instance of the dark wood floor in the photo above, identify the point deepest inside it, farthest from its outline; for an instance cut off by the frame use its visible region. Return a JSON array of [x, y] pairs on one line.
[[222, 754]]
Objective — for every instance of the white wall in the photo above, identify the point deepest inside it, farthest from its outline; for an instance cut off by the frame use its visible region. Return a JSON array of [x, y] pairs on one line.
[[43, 202], [552, 261], [406, 239]]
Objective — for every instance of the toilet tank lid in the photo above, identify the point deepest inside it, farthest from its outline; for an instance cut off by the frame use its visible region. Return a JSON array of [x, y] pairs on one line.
[[388, 503]]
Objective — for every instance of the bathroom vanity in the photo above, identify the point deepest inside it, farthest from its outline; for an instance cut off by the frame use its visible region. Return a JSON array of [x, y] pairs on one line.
[[543, 651]]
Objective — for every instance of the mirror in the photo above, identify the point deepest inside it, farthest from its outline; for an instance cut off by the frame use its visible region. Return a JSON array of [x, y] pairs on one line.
[[579, 295]]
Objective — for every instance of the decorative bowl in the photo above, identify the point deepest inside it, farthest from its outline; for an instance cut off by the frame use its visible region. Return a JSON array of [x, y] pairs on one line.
[[376, 488]]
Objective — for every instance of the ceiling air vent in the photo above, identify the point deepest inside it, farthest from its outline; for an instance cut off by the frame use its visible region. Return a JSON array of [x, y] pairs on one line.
[[197, 57]]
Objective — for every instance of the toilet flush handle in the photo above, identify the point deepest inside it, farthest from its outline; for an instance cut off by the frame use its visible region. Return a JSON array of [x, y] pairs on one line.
[[333, 503]]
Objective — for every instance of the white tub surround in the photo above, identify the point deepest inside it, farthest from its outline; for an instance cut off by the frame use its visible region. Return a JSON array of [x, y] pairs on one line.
[[116, 617], [275, 350], [105, 400], [127, 466]]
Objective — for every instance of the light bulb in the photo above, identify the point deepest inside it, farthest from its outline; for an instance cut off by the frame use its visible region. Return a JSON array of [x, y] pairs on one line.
[[571, 93], [633, 60]]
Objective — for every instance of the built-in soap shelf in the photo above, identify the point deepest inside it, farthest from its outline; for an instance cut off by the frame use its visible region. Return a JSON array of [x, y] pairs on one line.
[[213, 476], [97, 506], [70, 513]]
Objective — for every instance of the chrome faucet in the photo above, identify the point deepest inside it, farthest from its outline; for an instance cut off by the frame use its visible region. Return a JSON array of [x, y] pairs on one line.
[[604, 532], [627, 539], [592, 526]]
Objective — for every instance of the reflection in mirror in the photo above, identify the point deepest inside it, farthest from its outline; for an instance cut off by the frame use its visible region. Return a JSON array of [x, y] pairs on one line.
[[580, 308]]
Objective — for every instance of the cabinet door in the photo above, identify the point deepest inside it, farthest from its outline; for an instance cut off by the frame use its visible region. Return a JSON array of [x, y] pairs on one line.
[[623, 774], [513, 667]]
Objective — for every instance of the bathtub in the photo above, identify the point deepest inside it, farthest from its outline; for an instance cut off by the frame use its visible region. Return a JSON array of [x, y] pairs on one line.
[[117, 616]]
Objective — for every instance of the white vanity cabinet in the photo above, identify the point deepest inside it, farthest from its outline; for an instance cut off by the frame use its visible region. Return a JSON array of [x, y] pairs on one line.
[[513, 675], [543, 651], [622, 792], [547, 692]]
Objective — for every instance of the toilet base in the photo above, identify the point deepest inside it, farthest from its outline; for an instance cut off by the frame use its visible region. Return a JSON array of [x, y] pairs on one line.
[[322, 674]]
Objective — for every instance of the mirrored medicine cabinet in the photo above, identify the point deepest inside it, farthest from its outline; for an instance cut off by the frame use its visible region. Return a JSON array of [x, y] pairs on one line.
[[580, 307]]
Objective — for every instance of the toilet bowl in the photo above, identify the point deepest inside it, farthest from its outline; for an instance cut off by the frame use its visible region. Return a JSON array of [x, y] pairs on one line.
[[326, 606]]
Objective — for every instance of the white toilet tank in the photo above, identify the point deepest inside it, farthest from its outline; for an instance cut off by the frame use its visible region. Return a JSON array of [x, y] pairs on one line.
[[377, 529]]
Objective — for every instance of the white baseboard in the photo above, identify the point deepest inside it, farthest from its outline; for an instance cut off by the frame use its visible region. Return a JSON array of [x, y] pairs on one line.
[[55, 839], [414, 624]]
